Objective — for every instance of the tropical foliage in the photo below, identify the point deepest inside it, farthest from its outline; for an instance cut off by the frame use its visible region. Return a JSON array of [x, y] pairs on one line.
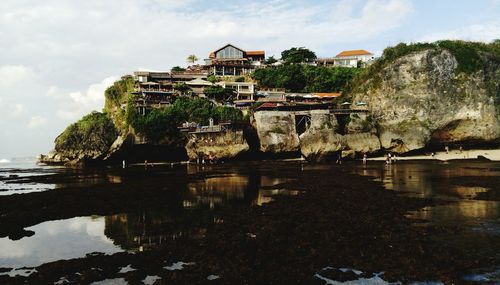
[[192, 58], [470, 56], [305, 78], [94, 132], [297, 55], [160, 125]]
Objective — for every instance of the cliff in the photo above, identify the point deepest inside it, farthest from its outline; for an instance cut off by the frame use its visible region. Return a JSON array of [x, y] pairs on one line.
[[276, 132], [320, 141], [88, 139], [417, 96], [223, 145], [323, 138], [446, 92]]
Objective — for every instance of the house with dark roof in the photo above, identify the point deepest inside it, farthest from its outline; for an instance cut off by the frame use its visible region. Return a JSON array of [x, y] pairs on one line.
[[231, 60]]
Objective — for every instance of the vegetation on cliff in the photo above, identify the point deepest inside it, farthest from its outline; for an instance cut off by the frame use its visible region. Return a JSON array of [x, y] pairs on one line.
[[306, 78], [160, 125], [117, 94], [471, 57], [93, 134]]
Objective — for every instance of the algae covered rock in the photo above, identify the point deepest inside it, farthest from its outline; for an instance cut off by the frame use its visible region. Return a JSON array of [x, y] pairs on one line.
[[89, 138]]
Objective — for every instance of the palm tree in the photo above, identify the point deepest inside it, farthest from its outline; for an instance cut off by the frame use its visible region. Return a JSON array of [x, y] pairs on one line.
[[192, 58]]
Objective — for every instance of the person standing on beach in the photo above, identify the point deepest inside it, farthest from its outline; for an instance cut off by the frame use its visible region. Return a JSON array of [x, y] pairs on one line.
[[447, 149]]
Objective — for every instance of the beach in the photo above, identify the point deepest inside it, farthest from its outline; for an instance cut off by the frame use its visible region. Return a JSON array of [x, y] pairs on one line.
[[489, 154]]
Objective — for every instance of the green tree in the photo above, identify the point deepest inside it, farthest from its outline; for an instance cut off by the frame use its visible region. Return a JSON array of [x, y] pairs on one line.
[[212, 78], [219, 93], [306, 78], [192, 58], [177, 69], [182, 88], [225, 113], [298, 55], [270, 60]]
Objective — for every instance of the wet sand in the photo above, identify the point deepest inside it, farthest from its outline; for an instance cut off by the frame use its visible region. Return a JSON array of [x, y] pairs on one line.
[[489, 154], [337, 219]]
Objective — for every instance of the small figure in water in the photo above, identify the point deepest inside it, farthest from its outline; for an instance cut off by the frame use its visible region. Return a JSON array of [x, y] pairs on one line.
[[364, 158], [123, 163], [447, 149], [146, 164], [339, 159]]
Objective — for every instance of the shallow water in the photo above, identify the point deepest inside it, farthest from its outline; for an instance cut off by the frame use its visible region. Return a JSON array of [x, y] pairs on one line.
[[436, 180], [138, 229], [194, 209], [56, 240]]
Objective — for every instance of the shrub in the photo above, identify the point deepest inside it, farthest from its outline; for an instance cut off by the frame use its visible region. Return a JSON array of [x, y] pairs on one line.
[[94, 132]]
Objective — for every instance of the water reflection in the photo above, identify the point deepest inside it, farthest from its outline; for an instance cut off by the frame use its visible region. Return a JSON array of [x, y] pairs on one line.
[[439, 180], [56, 240], [194, 213]]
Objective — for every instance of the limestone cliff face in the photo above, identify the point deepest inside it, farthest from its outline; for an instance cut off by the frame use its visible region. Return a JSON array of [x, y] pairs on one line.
[[320, 142], [224, 145], [422, 99], [276, 131]]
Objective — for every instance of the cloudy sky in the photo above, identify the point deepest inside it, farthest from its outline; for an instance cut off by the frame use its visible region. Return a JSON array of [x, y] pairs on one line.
[[58, 56]]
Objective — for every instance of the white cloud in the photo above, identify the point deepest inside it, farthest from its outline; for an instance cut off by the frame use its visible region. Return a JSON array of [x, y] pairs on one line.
[[477, 32], [37, 121], [11, 75], [78, 103], [17, 110]]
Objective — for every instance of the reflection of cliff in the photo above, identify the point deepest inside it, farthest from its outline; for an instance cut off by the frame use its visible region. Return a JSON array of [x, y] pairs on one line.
[[248, 189], [151, 229], [460, 212], [194, 214], [233, 188], [438, 180]]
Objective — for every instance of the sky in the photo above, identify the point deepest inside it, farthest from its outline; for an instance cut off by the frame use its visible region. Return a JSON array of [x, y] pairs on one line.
[[58, 56]]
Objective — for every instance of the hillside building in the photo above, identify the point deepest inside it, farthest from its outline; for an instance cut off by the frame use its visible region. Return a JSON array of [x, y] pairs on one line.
[[230, 60], [347, 58], [243, 90]]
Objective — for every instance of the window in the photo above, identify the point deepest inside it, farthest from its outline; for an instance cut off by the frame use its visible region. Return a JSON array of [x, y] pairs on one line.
[[229, 52]]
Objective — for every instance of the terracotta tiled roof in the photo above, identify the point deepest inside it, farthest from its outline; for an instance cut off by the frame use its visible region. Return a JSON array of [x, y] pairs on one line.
[[354, 52], [256, 52], [327, 95]]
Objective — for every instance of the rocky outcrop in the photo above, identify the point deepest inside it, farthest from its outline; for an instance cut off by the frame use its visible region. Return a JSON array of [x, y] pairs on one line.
[[89, 139], [276, 132], [224, 145], [320, 142], [421, 98], [362, 142]]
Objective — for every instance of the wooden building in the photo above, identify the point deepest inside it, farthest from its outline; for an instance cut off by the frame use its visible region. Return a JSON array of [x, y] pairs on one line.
[[230, 60]]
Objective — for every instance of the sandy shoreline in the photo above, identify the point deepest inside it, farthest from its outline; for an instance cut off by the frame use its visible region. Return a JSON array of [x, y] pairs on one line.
[[490, 154]]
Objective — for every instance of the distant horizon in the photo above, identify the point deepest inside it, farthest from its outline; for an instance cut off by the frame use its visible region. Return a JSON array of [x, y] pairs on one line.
[[62, 55]]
